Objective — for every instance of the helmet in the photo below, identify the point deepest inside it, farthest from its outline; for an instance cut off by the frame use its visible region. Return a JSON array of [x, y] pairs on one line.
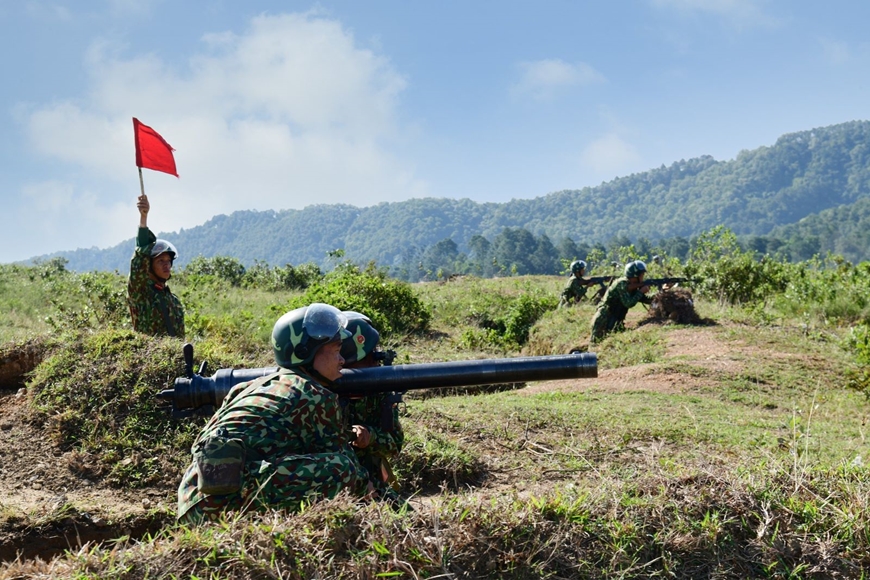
[[299, 334], [633, 269], [577, 265], [362, 340], [163, 247]]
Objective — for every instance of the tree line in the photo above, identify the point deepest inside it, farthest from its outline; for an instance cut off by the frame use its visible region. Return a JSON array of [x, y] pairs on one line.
[[806, 194]]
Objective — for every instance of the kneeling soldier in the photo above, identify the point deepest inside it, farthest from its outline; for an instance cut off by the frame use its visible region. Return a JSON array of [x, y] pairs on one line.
[[279, 441]]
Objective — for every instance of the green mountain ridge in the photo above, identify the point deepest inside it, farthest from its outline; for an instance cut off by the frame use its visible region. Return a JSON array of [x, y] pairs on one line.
[[806, 184]]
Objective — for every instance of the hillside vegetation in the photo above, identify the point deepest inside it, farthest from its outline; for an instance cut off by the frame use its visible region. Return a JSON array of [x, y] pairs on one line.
[[757, 195], [732, 449]]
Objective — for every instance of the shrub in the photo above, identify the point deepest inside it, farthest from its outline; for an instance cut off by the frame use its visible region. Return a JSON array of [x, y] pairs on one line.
[[731, 275], [859, 342], [391, 304], [508, 321], [224, 267], [286, 277]]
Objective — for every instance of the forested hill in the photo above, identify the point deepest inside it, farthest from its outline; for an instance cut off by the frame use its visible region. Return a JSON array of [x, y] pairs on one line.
[[802, 174]]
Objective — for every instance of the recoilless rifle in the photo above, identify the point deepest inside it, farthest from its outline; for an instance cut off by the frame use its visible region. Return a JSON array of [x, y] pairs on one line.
[[195, 392]]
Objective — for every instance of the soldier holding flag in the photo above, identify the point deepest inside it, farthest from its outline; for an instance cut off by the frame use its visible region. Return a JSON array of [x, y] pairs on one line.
[[154, 309]]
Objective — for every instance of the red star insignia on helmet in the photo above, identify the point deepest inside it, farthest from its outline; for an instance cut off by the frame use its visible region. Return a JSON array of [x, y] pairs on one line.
[[360, 339]]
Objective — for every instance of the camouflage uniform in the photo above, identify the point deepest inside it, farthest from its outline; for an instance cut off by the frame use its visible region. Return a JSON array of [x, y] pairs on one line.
[[154, 309], [297, 448], [384, 443], [614, 307], [574, 291]]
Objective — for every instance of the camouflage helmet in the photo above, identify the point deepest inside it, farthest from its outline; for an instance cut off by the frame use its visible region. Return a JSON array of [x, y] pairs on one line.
[[577, 266], [363, 337], [164, 247], [299, 334], [634, 269]]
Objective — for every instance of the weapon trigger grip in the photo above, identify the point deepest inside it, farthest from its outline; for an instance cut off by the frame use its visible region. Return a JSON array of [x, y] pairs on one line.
[[187, 350]]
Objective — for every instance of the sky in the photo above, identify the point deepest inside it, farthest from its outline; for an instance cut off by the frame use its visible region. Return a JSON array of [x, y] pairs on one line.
[[274, 105]]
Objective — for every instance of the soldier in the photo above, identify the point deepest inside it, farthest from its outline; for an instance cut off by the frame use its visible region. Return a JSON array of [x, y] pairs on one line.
[[154, 309], [576, 288], [279, 441], [375, 418], [624, 293]]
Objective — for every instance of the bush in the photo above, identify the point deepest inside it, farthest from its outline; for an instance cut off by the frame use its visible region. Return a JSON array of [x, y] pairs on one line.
[[230, 269], [286, 277], [731, 275], [513, 321], [391, 304], [859, 342]]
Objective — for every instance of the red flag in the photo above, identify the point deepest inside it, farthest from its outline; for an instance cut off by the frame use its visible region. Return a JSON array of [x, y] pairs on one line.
[[152, 150]]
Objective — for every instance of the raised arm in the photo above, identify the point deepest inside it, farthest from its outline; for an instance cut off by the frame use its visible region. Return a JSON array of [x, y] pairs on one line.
[[144, 207]]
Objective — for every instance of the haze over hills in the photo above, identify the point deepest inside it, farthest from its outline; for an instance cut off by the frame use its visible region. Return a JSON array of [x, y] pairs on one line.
[[809, 190]]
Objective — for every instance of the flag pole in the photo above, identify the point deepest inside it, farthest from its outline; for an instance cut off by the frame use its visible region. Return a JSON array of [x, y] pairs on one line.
[[141, 182]]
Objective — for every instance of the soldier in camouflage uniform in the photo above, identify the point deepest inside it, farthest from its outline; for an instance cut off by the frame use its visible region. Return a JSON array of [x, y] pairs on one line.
[[379, 437], [297, 447], [154, 309], [576, 288], [624, 293]]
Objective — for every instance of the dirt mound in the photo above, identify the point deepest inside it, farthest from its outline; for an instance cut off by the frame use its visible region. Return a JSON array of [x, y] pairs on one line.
[[17, 360], [53, 501], [676, 305]]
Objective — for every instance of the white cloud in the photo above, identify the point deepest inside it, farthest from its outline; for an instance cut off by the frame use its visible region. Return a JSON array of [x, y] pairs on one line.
[[738, 13], [835, 51], [74, 214], [288, 113], [609, 156], [542, 79]]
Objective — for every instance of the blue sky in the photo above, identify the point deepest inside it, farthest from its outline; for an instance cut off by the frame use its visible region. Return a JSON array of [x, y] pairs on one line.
[[279, 105]]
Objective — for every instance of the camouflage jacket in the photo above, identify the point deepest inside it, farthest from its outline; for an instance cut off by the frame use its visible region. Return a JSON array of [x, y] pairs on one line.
[[619, 299], [367, 411], [153, 310], [574, 291], [288, 415]]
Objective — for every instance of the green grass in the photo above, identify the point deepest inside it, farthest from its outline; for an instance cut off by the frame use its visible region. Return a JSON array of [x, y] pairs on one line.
[[745, 458]]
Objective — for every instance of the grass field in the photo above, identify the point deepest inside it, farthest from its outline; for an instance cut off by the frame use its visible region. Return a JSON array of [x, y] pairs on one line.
[[732, 449]]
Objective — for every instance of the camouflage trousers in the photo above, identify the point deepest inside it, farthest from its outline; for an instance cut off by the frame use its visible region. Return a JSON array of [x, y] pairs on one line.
[[287, 484], [604, 323]]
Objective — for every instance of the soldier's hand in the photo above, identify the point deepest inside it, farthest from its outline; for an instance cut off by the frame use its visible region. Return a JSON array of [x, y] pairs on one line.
[[644, 289], [363, 436], [143, 205]]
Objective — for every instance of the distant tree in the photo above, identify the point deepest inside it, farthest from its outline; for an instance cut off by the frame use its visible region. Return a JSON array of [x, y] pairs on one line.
[[568, 250], [480, 259], [439, 261], [514, 248], [676, 247], [545, 260]]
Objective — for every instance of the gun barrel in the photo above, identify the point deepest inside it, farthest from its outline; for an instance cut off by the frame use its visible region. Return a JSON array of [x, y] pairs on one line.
[[466, 373], [197, 391]]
